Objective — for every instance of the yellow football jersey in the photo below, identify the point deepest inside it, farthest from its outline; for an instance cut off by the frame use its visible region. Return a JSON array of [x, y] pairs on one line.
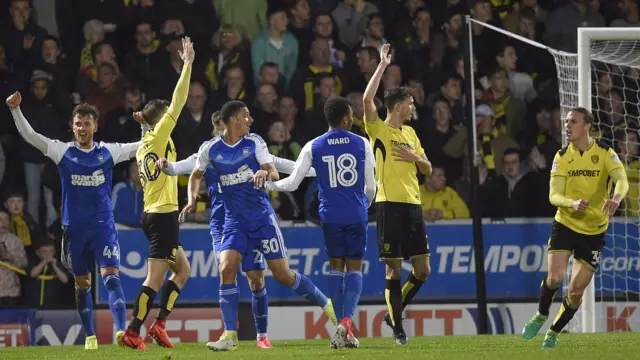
[[587, 178]]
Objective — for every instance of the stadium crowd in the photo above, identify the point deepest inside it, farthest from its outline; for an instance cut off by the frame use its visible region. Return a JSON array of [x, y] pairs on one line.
[[285, 58]]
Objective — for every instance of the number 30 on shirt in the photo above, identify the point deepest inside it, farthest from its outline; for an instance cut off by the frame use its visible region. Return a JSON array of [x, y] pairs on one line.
[[342, 171]]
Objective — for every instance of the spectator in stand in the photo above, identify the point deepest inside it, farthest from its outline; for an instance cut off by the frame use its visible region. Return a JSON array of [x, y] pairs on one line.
[[22, 36], [280, 143], [101, 53], [338, 52], [199, 17], [13, 261], [355, 99], [288, 114], [269, 74], [194, 125], [520, 84], [484, 39], [247, 15], [20, 223], [440, 201], [108, 95], [629, 9], [307, 74], [509, 112], [539, 15], [300, 27], [276, 45], [629, 152], [264, 109], [351, 18], [51, 61], [3, 164], [119, 125], [373, 34], [453, 29], [47, 278], [518, 192], [141, 61], [439, 130], [40, 107], [93, 34], [228, 48], [315, 122], [126, 199], [417, 42], [233, 88], [368, 59], [563, 24], [451, 92], [492, 143]]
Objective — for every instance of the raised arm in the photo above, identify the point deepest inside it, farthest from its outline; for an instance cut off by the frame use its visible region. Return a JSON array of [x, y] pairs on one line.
[[300, 169], [370, 111], [287, 166], [369, 173], [24, 128], [182, 88]]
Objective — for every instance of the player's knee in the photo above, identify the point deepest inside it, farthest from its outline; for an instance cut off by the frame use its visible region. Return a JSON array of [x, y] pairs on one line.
[[284, 276], [394, 269], [422, 273], [227, 273], [555, 280], [256, 280], [336, 264]]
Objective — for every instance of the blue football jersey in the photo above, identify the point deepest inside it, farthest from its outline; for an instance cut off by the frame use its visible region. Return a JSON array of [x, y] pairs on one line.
[[86, 179], [234, 165], [216, 222], [344, 165]]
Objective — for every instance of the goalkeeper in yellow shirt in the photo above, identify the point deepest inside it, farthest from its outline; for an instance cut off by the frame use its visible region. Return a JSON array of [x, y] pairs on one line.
[[580, 186]]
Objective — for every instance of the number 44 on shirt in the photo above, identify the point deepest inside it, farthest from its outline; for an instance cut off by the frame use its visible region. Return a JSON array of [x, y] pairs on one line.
[[107, 252]]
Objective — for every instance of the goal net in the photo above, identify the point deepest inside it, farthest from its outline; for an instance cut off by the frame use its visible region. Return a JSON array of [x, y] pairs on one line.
[[604, 76]]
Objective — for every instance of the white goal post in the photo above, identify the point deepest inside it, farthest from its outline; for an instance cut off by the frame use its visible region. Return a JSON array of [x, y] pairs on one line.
[[617, 49]]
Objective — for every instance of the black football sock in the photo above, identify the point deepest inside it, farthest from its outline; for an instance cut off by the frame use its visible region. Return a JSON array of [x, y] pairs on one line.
[[170, 292], [393, 296], [546, 298], [141, 308], [409, 289], [566, 313]]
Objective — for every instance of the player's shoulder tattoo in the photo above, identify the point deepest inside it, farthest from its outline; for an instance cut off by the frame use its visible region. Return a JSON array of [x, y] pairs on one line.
[[604, 146], [563, 151]]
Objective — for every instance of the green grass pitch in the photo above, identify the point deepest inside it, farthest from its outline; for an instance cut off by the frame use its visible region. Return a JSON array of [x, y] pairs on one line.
[[608, 346]]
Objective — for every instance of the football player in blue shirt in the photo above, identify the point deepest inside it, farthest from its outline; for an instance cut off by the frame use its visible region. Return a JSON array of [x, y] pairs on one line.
[[344, 165], [253, 266], [242, 165], [90, 234]]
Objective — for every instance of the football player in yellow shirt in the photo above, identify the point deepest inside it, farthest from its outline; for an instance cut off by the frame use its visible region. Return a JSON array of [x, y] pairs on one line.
[[580, 187]]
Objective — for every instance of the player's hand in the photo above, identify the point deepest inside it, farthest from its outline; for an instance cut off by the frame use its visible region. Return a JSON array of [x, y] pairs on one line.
[[191, 207], [259, 179], [402, 153], [187, 54], [162, 164], [14, 100], [385, 56], [53, 261], [580, 205], [138, 116], [610, 207]]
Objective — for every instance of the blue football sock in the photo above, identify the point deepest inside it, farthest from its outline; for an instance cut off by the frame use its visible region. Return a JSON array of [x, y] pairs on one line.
[[229, 299], [84, 303], [260, 307], [117, 304], [305, 288], [336, 292], [352, 290]]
